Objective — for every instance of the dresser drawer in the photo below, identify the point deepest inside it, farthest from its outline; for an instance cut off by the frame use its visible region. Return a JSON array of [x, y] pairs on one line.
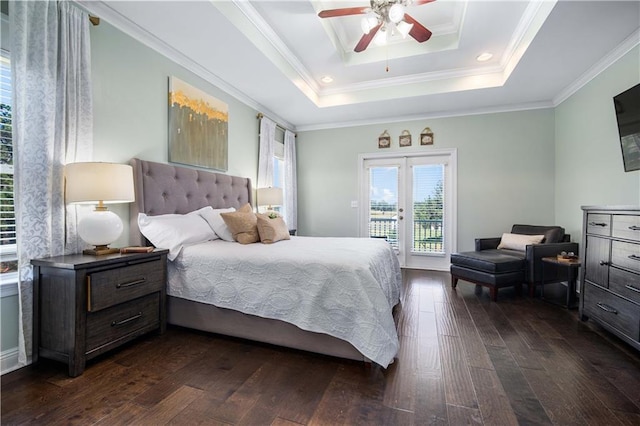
[[127, 320], [108, 288], [626, 226], [626, 284], [626, 255], [619, 313], [599, 224]]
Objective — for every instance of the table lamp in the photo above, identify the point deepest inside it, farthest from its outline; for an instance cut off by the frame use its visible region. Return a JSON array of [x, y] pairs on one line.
[[99, 183], [269, 197]]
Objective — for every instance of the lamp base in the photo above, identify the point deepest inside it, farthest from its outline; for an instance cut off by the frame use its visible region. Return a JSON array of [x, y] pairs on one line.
[[100, 251]]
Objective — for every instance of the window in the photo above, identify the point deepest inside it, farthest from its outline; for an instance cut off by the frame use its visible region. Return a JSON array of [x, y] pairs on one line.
[[278, 164], [8, 249]]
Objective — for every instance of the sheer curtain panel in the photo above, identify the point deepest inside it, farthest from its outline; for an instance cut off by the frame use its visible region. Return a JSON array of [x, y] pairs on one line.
[[52, 125], [267, 149], [290, 181]]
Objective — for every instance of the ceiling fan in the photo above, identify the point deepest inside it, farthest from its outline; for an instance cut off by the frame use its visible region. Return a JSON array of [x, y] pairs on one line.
[[383, 19]]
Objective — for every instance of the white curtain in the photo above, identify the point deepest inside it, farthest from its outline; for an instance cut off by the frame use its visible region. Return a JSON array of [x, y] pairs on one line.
[[290, 181], [265, 157], [52, 125]]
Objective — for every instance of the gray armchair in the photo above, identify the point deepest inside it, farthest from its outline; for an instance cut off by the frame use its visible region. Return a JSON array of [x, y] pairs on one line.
[[494, 268]]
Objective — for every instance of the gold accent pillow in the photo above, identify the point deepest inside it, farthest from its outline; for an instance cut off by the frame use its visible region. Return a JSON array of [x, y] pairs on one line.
[[272, 230], [243, 224]]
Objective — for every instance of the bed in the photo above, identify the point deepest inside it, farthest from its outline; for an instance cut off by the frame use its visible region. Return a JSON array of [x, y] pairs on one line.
[[277, 293]]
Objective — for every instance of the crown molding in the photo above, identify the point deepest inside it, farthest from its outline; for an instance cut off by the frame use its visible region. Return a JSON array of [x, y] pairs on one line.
[[623, 48], [124, 24], [429, 116]]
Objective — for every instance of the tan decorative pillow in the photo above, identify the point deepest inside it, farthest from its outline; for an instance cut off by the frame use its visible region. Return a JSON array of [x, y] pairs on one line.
[[243, 224], [518, 241], [272, 230]]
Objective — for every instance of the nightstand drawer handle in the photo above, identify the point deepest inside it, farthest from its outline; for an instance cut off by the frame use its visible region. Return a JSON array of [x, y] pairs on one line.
[[632, 288], [597, 224], [604, 263], [634, 228], [131, 283], [634, 257], [124, 321], [607, 308]]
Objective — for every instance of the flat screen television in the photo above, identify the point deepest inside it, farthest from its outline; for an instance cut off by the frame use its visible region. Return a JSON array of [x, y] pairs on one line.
[[627, 105]]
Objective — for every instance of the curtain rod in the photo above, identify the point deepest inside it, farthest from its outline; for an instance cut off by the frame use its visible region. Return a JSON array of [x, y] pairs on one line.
[[94, 20], [261, 115]]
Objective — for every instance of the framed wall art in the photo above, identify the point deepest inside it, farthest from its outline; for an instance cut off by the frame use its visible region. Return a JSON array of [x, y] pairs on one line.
[[405, 138], [384, 140], [426, 137], [198, 127]]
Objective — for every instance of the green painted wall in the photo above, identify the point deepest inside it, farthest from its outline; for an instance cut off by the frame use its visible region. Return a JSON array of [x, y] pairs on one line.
[[589, 168], [9, 331], [130, 89], [505, 171]]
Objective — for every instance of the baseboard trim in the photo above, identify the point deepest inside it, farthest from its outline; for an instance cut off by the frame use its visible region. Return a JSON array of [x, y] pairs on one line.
[[9, 360]]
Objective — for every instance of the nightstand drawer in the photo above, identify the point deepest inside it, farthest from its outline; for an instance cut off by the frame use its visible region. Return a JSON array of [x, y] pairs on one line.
[[120, 323], [621, 314], [108, 288]]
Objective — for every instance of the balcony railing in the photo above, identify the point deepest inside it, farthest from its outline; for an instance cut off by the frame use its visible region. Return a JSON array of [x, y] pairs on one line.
[[427, 234]]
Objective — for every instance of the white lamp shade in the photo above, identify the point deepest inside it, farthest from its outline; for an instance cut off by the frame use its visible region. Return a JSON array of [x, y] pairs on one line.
[[100, 227], [89, 183], [270, 196]]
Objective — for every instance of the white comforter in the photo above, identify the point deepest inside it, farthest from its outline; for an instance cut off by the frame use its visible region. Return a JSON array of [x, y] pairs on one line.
[[344, 287]]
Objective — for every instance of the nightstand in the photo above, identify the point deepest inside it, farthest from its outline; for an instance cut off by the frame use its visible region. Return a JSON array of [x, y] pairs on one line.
[[84, 305]]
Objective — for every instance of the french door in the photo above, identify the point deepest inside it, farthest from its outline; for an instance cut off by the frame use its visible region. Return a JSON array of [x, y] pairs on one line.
[[409, 200]]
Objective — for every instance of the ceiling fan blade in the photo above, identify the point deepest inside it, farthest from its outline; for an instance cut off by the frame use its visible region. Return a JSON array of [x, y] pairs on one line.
[[420, 2], [330, 13], [366, 39], [418, 31]]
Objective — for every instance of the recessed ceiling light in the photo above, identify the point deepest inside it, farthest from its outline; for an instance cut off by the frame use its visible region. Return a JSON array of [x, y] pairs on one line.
[[483, 57], [327, 79]]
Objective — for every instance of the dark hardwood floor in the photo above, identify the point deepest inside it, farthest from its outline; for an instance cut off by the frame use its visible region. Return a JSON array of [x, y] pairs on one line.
[[463, 360]]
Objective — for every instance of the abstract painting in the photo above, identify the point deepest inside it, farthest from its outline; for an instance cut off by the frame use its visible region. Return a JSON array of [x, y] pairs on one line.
[[198, 127]]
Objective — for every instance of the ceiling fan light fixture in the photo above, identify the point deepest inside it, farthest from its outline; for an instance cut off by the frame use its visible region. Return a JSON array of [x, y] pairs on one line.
[[368, 22], [404, 28], [381, 37], [396, 13]]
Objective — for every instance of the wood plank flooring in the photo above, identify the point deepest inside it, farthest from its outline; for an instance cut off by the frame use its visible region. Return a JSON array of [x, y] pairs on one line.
[[463, 360]]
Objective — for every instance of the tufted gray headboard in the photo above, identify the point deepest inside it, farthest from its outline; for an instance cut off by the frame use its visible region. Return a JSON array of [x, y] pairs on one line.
[[164, 188]]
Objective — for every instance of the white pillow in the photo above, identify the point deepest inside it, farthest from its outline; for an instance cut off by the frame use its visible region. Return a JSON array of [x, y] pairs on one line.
[[215, 221], [173, 231], [518, 241]]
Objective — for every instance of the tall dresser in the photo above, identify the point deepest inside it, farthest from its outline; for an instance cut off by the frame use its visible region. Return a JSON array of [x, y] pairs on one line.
[[610, 276]]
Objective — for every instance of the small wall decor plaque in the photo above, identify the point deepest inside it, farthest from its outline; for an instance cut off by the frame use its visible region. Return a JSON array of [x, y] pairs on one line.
[[384, 140], [426, 137], [405, 138]]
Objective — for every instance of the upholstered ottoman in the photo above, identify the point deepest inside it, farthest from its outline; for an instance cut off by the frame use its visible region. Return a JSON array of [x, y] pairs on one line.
[[488, 268]]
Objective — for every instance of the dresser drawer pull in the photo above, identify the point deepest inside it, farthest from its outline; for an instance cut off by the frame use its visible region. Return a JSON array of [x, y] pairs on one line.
[[607, 308], [131, 283], [125, 321], [597, 224], [604, 263], [634, 228], [634, 257], [632, 288]]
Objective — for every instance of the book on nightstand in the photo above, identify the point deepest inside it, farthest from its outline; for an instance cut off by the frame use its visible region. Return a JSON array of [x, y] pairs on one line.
[[136, 249]]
